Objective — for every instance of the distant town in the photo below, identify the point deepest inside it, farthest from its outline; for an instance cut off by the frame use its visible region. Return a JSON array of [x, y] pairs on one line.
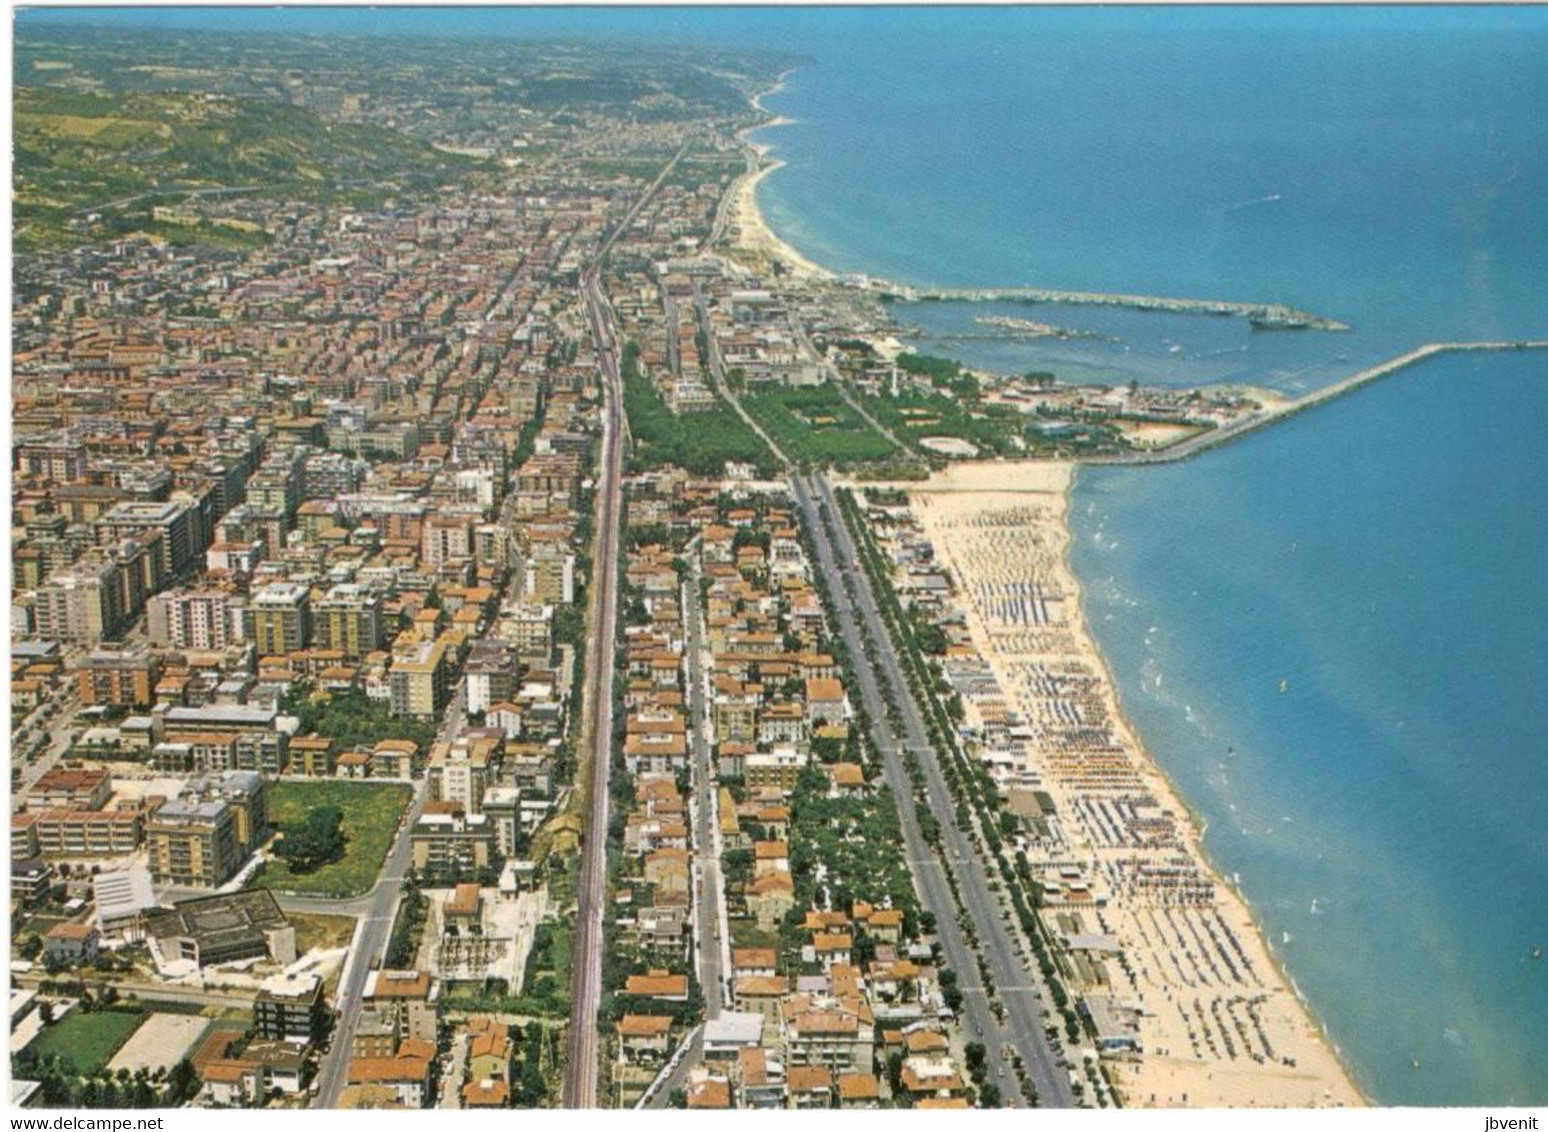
[[482, 636]]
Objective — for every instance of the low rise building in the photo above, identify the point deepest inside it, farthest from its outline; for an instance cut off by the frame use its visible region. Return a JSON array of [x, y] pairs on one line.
[[290, 1006], [223, 928], [88, 833]]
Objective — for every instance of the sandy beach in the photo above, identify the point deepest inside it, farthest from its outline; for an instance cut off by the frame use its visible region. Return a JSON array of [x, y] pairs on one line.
[[1218, 1021], [751, 238], [747, 234]]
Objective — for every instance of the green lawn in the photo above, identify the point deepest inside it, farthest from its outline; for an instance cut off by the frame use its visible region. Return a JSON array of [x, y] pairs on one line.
[[87, 1040], [916, 415], [371, 813]]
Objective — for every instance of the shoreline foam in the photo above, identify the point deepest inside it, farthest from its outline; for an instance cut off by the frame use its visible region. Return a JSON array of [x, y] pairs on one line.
[[1196, 820]]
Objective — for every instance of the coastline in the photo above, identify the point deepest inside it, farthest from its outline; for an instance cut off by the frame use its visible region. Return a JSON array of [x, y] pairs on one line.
[[1198, 823], [753, 239], [965, 512], [1316, 1073], [1383, 1068]]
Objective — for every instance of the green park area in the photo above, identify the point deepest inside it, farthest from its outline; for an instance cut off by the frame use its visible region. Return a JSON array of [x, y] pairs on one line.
[[369, 817], [813, 424], [354, 720], [952, 407], [87, 1040], [700, 442]]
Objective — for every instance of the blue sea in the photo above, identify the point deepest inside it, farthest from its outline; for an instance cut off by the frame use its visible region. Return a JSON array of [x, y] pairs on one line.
[[1384, 169], [1387, 813], [1385, 556]]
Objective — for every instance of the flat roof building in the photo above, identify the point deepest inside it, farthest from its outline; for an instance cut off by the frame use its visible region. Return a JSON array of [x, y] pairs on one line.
[[224, 928]]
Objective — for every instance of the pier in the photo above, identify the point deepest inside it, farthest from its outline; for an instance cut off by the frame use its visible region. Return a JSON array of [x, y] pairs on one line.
[[1276, 413], [1266, 315]]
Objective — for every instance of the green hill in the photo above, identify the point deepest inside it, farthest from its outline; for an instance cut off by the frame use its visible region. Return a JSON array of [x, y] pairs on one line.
[[118, 155]]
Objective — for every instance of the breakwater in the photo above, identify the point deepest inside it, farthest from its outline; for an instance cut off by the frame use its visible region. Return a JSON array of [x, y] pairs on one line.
[[1282, 411], [1268, 315]]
